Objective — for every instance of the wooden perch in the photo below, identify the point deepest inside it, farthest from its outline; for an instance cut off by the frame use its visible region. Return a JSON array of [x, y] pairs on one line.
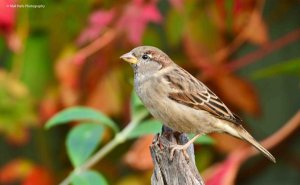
[[179, 171]]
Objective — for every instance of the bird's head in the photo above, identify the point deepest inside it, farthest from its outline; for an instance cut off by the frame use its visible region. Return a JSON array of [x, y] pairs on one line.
[[147, 59]]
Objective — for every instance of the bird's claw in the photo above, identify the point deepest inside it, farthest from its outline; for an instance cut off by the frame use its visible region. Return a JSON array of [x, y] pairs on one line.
[[182, 148]]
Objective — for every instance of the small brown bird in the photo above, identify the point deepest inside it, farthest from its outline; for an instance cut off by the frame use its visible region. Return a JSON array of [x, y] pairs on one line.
[[180, 101]]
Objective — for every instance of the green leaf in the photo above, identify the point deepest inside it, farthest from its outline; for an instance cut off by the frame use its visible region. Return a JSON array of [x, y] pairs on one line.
[[147, 127], [152, 38], [88, 178], [201, 29], [174, 27], [229, 8], [82, 141], [136, 105], [288, 67], [204, 139], [81, 114], [37, 68]]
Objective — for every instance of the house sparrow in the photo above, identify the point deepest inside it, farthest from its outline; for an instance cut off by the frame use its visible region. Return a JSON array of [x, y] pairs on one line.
[[180, 101]]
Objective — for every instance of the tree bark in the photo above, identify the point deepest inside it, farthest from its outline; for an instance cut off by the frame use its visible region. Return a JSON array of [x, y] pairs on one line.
[[178, 171]]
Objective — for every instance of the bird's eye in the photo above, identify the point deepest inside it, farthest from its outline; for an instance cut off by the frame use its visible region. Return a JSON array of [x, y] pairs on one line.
[[145, 57]]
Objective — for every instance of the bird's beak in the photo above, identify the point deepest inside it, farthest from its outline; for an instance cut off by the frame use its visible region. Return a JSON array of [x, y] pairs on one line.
[[128, 57]]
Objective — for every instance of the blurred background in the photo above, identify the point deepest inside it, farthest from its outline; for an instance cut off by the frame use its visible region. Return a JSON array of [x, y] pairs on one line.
[[64, 53]]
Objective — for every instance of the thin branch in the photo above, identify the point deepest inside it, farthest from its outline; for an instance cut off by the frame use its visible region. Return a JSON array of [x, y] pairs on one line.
[[270, 142], [240, 39], [241, 154], [292, 125], [118, 139], [252, 57], [96, 45]]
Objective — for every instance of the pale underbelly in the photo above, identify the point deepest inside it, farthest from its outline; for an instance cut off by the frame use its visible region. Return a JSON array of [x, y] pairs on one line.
[[182, 118], [177, 116]]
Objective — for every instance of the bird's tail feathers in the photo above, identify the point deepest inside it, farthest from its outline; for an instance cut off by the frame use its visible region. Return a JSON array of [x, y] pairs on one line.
[[245, 135]]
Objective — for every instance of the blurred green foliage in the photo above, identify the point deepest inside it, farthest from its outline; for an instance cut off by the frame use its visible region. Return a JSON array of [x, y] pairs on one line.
[[67, 55]]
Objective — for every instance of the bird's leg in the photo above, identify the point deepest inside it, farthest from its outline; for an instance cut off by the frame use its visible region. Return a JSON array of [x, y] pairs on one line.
[[183, 147]]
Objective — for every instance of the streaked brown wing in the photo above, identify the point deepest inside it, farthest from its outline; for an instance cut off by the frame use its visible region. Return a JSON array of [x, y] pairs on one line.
[[195, 94]]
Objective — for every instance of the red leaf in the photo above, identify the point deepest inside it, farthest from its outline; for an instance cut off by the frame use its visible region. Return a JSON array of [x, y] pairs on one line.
[[108, 84], [221, 173], [7, 16], [18, 136], [67, 74], [177, 4], [225, 172], [237, 92], [38, 176], [23, 170], [226, 143], [235, 11], [139, 157], [256, 31], [14, 42], [151, 13], [48, 106], [97, 22], [7, 24], [136, 17], [15, 170]]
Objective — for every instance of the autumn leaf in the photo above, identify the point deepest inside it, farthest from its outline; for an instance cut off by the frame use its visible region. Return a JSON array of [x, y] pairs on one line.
[[138, 157], [7, 16], [7, 25], [38, 176], [197, 54], [98, 21], [22, 170], [17, 109], [177, 4], [135, 18], [256, 31], [237, 92], [67, 74], [48, 106], [225, 143], [108, 84], [241, 18], [223, 173], [232, 15], [15, 170]]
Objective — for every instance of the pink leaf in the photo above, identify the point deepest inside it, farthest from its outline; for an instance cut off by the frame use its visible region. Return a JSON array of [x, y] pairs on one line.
[[7, 15], [177, 4], [135, 18], [102, 18], [151, 13], [225, 172], [97, 22], [220, 173]]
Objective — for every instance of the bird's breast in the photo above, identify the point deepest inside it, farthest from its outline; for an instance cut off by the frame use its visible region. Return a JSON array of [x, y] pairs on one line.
[[154, 94]]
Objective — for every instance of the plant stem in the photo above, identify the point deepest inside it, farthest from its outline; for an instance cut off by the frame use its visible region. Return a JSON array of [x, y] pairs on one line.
[[254, 56], [96, 45], [118, 139]]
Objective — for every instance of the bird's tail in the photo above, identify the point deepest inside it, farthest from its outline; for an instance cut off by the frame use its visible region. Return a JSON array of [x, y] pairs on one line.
[[245, 135]]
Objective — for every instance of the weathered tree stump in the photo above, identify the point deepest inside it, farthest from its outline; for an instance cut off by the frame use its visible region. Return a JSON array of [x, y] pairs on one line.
[[178, 171]]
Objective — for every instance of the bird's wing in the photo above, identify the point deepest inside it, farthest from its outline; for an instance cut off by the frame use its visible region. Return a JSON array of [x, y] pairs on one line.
[[187, 90]]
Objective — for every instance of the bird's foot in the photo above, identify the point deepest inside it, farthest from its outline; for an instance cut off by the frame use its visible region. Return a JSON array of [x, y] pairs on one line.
[[182, 148]]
